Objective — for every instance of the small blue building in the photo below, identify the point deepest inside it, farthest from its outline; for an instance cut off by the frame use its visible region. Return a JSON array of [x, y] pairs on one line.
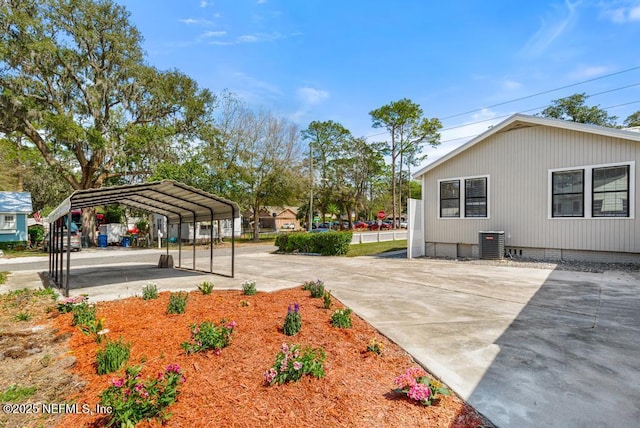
[[14, 209]]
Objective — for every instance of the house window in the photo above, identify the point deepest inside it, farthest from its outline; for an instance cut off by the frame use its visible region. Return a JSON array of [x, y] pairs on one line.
[[7, 222], [611, 191], [568, 193], [450, 198], [475, 197]]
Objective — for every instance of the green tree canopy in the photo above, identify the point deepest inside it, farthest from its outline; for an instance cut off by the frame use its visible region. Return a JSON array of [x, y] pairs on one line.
[[409, 132], [574, 109], [632, 120]]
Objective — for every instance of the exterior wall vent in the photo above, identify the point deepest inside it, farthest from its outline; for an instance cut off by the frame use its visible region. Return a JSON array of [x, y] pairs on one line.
[[491, 244]]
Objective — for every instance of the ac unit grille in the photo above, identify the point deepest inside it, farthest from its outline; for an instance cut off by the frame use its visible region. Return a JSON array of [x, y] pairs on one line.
[[491, 245]]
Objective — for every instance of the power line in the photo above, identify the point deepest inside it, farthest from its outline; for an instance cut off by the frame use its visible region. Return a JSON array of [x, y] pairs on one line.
[[544, 92]]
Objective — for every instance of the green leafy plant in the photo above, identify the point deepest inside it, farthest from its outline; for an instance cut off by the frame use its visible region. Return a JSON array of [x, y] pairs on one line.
[[113, 356], [83, 314], [326, 300], [316, 288], [177, 303], [206, 287], [23, 316], [292, 363], [69, 303], [341, 318], [150, 291], [133, 400], [375, 346], [293, 320], [208, 335], [249, 288], [16, 393], [3, 276], [416, 385]]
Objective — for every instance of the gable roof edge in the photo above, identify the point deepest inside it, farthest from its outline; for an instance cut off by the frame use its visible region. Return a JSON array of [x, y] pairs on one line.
[[534, 120]]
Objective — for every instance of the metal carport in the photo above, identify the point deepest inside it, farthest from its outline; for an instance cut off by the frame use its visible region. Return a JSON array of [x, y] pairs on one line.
[[176, 201]]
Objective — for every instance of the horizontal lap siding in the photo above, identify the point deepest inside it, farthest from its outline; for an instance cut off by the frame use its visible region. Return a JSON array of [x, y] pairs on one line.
[[518, 162]]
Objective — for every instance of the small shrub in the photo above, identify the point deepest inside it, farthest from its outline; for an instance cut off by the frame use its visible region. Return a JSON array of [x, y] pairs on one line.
[[69, 303], [291, 364], [293, 320], [23, 316], [206, 287], [416, 385], [150, 291], [133, 400], [375, 346], [84, 314], [113, 356], [316, 288], [15, 393], [326, 300], [341, 318], [207, 336], [249, 288], [177, 303]]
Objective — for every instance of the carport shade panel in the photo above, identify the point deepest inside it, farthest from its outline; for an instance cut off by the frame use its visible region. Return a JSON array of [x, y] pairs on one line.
[[167, 193]]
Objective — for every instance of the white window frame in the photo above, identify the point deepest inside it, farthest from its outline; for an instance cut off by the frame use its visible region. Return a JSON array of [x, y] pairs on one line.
[[588, 191], [3, 223], [463, 189]]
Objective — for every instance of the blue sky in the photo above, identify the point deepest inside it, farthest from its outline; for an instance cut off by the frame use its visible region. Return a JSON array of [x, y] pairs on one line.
[[338, 60]]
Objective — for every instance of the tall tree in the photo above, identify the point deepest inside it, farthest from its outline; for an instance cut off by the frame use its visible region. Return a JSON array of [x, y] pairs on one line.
[[409, 132], [632, 120], [256, 157], [574, 109], [74, 82], [326, 141]]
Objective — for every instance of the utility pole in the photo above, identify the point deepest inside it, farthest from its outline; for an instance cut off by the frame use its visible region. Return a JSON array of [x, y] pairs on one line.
[[309, 225]]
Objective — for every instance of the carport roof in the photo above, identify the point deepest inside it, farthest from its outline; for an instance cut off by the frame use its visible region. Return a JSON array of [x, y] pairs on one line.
[[177, 201]]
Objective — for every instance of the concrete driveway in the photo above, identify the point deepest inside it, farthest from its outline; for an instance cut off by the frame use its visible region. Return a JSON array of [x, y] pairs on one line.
[[526, 347]]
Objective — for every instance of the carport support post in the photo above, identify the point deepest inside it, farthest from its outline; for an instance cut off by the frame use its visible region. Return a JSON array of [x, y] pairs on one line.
[[66, 278], [180, 242], [194, 242], [233, 246]]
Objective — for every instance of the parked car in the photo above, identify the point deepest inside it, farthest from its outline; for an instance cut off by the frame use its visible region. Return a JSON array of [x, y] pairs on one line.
[[360, 225], [320, 230], [290, 226], [76, 242], [382, 226], [404, 224]]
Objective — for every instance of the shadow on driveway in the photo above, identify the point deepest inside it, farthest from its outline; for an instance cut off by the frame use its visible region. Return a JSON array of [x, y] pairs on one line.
[[571, 358]]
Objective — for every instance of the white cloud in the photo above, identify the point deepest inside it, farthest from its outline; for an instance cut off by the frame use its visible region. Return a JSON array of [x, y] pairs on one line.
[[188, 21], [214, 34], [261, 1], [550, 29], [248, 39], [204, 3], [312, 96], [621, 14], [511, 85], [587, 72]]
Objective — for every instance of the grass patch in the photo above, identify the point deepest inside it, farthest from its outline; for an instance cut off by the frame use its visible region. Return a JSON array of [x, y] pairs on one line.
[[373, 248], [15, 393], [32, 252], [3, 277]]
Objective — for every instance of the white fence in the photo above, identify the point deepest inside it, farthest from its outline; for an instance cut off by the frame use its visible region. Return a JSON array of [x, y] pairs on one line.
[[381, 236]]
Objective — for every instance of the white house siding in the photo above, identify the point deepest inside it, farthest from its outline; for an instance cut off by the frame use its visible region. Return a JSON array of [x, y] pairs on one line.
[[517, 162]]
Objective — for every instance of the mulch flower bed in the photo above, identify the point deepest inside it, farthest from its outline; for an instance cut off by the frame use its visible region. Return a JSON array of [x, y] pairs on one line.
[[229, 389]]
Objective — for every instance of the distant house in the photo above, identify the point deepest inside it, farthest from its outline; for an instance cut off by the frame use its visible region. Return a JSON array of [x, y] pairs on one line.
[[275, 218], [557, 189], [14, 209]]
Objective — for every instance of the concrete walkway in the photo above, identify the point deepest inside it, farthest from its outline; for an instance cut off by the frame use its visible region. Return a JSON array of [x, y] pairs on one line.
[[526, 347]]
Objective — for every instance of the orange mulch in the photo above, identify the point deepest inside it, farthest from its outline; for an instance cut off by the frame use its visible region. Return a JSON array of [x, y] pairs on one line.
[[228, 390]]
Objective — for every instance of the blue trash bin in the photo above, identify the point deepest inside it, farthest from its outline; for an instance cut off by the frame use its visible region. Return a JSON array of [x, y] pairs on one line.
[[102, 241], [126, 241]]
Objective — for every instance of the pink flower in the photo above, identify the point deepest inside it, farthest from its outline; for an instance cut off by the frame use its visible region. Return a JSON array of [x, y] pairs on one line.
[[416, 372], [173, 368], [285, 348], [297, 365], [117, 382], [138, 387], [270, 375], [232, 325], [419, 392]]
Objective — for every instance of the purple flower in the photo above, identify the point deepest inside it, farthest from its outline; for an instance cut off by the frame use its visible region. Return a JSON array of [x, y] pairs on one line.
[[173, 368], [419, 392], [296, 307]]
